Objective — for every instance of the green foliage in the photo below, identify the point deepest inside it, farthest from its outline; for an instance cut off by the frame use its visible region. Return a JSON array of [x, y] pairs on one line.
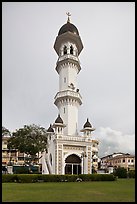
[[28, 178], [31, 139], [9, 178], [131, 174], [97, 177], [121, 172]]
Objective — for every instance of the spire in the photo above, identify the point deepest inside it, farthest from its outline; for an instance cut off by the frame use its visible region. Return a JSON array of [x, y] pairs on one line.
[[68, 14], [87, 127], [50, 129], [87, 124], [59, 119]]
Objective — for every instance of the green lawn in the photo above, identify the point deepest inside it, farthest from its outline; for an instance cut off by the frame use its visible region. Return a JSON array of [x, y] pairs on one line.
[[122, 190]]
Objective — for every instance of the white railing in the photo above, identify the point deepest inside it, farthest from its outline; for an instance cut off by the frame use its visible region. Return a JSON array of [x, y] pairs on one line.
[[68, 56], [67, 93]]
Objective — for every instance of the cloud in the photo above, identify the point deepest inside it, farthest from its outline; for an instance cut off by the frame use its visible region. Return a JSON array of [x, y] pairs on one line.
[[111, 141]]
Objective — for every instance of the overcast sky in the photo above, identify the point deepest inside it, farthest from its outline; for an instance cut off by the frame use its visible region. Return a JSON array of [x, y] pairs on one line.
[[106, 80]]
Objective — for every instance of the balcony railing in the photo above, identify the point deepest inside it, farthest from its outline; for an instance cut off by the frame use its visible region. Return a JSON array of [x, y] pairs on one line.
[[68, 93], [68, 56]]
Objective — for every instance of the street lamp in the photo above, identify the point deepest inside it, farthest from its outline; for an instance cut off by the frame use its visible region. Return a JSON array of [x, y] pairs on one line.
[[83, 155]]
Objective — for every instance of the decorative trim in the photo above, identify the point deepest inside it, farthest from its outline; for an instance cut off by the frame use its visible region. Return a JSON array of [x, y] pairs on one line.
[[59, 161], [72, 147]]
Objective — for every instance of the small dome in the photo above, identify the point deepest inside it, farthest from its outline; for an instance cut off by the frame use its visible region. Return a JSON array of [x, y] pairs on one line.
[[68, 27], [50, 129], [87, 124], [59, 119]]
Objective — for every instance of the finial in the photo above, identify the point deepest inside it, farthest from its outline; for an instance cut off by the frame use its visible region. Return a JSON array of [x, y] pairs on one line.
[[68, 14]]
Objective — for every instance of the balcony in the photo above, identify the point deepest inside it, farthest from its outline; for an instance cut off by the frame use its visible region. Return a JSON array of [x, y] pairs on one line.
[[66, 94], [68, 56]]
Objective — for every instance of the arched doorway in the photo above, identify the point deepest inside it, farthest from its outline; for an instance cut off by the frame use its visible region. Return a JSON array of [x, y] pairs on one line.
[[73, 164]]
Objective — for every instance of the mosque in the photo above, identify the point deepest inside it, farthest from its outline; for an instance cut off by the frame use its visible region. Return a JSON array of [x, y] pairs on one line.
[[68, 151]]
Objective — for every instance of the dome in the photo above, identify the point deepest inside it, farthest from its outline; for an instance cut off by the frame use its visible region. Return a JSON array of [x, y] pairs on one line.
[[59, 119], [68, 27], [50, 129], [87, 124]]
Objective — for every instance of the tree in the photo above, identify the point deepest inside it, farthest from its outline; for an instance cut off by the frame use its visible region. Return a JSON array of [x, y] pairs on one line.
[[31, 139], [5, 132], [121, 172]]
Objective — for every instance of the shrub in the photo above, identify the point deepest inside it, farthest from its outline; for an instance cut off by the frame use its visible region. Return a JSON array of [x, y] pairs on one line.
[[27, 178], [31, 178], [9, 178], [121, 172], [131, 174], [97, 177]]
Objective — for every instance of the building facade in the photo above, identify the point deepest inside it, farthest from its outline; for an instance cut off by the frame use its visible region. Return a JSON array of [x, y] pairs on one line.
[[13, 156], [69, 152], [118, 160]]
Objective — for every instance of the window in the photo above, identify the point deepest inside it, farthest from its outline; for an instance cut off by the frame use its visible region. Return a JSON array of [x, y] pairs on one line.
[[51, 159], [71, 50], [65, 50], [123, 160], [64, 79], [64, 110]]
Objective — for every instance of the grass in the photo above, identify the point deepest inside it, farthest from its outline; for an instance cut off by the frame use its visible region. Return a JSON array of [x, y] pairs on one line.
[[122, 190]]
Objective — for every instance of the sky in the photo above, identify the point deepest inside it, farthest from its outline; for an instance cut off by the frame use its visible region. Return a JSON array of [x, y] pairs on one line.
[[106, 80]]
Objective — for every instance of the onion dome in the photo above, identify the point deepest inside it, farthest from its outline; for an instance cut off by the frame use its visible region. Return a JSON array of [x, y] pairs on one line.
[[59, 119], [87, 124], [87, 127], [68, 27], [50, 129]]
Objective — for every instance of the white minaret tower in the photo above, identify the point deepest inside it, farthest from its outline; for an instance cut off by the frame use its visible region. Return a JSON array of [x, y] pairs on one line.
[[68, 46]]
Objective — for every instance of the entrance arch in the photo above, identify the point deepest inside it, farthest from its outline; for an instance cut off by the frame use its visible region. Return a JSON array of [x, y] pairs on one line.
[[73, 164]]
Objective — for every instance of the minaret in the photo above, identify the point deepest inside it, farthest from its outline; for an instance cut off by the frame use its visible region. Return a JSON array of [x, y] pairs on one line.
[[68, 46]]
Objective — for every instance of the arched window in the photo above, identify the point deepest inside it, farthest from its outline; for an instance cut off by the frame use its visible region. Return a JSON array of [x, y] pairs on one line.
[[71, 49], [73, 164], [73, 158], [65, 50]]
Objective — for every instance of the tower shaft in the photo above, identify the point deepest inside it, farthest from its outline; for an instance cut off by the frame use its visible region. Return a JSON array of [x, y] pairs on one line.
[[68, 99]]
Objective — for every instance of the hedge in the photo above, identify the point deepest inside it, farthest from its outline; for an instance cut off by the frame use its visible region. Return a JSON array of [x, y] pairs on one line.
[[97, 177], [32, 178]]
